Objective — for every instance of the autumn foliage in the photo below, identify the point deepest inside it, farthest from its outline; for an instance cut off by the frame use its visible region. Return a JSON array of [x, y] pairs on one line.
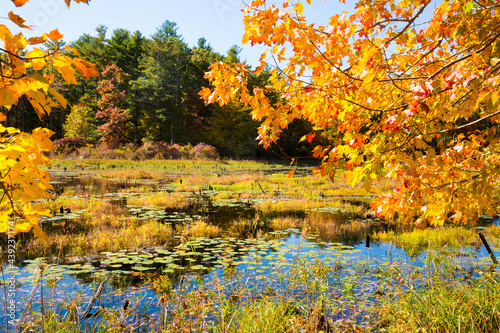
[[22, 64], [405, 89], [114, 117]]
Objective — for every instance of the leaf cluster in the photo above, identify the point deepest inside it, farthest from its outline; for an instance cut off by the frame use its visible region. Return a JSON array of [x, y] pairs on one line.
[[22, 61], [402, 90]]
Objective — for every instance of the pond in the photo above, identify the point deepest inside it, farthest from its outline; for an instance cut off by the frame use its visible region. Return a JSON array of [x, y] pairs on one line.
[[348, 274]]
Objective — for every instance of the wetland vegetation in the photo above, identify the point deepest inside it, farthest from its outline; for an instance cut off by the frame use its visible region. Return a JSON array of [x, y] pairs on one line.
[[238, 246]]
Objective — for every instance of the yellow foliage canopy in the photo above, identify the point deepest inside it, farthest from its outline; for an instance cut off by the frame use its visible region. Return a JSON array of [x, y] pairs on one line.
[[403, 90], [22, 182]]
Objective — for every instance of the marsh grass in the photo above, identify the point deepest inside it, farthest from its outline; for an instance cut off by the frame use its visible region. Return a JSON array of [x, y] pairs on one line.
[[337, 227], [103, 226], [130, 174], [417, 240], [161, 199], [289, 205], [266, 315], [445, 300], [105, 238], [201, 228]]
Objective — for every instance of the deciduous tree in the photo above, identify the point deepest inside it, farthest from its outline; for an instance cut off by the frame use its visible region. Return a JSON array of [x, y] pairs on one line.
[[407, 89], [111, 107], [22, 60], [81, 122]]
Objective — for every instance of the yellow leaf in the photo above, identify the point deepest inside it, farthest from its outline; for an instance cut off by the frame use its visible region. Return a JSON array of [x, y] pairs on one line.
[[4, 220], [85, 68], [69, 48], [39, 233], [299, 8], [6, 97], [58, 97], [36, 53], [63, 65], [42, 138], [38, 58]]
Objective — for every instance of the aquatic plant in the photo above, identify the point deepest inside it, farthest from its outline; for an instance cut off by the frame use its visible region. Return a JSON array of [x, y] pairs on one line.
[[160, 199], [418, 240], [444, 301], [201, 228]]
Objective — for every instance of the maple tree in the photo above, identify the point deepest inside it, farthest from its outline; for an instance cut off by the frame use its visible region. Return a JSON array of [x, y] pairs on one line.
[[115, 118], [405, 89], [22, 61]]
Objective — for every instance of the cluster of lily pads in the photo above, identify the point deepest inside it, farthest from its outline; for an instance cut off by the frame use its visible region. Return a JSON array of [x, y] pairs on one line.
[[195, 255], [149, 213]]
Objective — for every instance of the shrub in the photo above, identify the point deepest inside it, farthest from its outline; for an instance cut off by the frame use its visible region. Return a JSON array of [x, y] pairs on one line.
[[151, 149], [173, 152], [159, 150], [68, 145], [205, 151]]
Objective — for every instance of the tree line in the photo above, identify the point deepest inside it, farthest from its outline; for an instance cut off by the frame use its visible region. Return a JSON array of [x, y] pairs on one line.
[[148, 91]]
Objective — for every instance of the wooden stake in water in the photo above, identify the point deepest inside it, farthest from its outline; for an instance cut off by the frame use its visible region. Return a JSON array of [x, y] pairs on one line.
[[488, 248]]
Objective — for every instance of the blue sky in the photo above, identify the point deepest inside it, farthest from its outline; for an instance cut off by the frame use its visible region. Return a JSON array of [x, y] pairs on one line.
[[219, 21]]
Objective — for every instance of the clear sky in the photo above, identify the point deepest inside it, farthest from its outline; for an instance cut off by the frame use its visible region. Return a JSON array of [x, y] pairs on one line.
[[219, 21]]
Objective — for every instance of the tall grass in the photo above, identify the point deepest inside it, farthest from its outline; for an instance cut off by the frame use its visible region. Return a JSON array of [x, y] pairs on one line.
[[417, 240], [160, 199], [445, 302]]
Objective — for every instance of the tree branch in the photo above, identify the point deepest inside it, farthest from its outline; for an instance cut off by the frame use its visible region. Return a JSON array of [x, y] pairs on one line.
[[470, 124]]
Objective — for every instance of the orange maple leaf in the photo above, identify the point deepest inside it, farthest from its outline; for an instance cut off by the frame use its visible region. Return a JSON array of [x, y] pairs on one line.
[[18, 20], [54, 35], [19, 3]]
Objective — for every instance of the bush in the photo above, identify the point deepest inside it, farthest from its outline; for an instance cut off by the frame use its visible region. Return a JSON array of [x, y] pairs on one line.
[[205, 151], [151, 150], [173, 152], [68, 145], [159, 150]]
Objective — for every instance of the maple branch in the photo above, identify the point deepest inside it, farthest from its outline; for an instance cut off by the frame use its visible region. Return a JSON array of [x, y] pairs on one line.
[[387, 70], [406, 78], [483, 6], [283, 72], [28, 59], [6, 193], [488, 43], [323, 55], [465, 181], [439, 41], [381, 23], [465, 50], [469, 124], [410, 22], [12, 77]]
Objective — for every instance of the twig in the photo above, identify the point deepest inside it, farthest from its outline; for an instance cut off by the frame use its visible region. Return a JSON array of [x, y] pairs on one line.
[[261, 188], [93, 299]]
